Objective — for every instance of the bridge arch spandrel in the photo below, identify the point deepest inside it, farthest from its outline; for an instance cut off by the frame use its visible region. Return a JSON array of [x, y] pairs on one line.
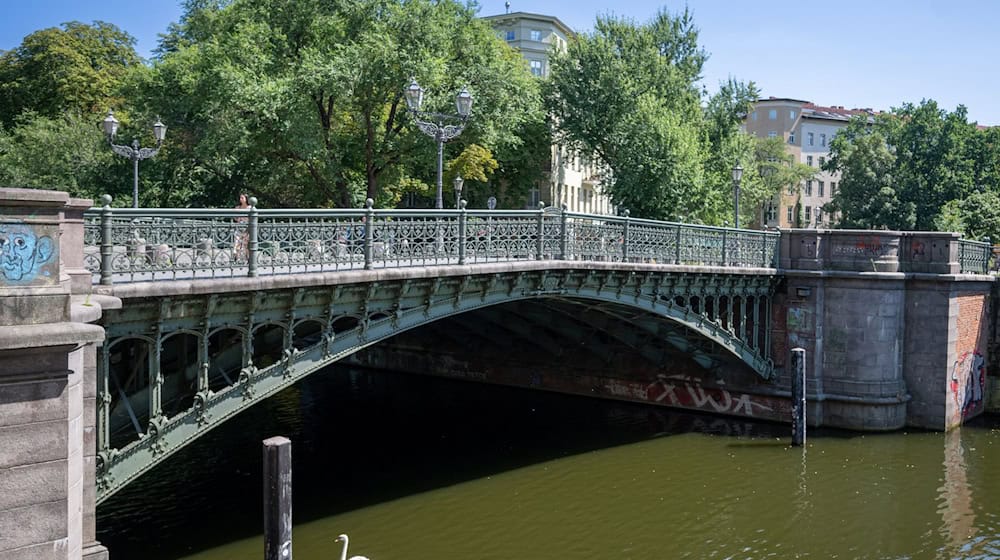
[[355, 316]]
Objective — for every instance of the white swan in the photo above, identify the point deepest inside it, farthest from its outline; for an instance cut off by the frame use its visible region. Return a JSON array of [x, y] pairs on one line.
[[343, 553]]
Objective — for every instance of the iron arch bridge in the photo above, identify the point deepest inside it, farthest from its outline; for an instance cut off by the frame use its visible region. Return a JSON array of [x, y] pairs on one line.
[[177, 363]]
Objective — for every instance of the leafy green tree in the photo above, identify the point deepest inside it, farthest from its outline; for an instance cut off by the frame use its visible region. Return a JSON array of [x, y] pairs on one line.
[[777, 169], [67, 152], [932, 163], [901, 169], [75, 67], [301, 102], [627, 93], [475, 165], [980, 215], [869, 196]]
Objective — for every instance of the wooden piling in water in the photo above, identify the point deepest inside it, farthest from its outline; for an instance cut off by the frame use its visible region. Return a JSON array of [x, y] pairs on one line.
[[798, 397], [277, 498]]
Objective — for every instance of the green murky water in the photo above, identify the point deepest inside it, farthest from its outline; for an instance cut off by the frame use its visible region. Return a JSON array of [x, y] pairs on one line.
[[423, 468]]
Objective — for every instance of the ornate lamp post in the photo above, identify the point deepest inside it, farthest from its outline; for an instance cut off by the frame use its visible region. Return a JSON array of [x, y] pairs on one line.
[[737, 177], [432, 124], [459, 181], [133, 152]]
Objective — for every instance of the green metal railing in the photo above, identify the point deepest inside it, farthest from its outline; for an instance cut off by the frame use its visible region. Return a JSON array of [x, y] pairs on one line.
[[974, 256], [133, 245]]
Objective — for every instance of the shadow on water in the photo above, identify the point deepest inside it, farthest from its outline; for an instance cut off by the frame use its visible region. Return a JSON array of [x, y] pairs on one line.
[[363, 437]]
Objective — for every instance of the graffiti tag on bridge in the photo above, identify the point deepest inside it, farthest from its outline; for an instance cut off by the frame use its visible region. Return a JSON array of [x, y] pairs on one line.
[[687, 392], [23, 254], [870, 246]]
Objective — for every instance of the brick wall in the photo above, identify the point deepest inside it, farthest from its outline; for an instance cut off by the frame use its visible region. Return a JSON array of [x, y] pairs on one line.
[[967, 375]]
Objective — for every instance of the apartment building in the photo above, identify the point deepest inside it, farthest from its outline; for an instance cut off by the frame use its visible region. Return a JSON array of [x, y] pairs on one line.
[[807, 130], [571, 179]]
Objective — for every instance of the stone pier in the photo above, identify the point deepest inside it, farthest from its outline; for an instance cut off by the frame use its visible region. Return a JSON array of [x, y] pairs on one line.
[[47, 379], [896, 335]]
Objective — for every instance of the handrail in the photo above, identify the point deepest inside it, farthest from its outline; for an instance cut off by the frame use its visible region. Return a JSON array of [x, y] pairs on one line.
[[143, 244], [974, 256]]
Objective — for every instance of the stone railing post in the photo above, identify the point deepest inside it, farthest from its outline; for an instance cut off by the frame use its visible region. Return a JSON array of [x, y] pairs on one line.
[[625, 213], [540, 238], [72, 246], [369, 232], [462, 225], [107, 244], [253, 237]]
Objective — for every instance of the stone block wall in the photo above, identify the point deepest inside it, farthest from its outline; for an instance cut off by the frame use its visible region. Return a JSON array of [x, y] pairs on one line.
[[897, 336], [43, 350]]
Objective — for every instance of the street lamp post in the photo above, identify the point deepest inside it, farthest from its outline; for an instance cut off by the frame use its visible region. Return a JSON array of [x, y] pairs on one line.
[[133, 152], [433, 124], [459, 181], [737, 177]]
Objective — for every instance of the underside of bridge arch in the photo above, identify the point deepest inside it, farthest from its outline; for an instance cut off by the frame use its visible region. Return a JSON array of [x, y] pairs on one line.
[[209, 357]]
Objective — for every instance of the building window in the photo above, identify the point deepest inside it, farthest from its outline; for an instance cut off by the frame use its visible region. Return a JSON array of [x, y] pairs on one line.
[[809, 213], [810, 138], [822, 160], [772, 134], [536, 67], [510, 35], [833, 189], [809, 188], [809, 161], [819, 187], [536, 35], [791, 115], [753, 116], [789, 212], [791, 189], [772, 114], [822, 139], [533, 198], [791, 137], [772, 213], [819, 215]]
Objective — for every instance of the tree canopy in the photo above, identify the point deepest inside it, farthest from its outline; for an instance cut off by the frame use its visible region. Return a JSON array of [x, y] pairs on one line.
[[628, 93], [917, 167], [301, 102], [72, 68]]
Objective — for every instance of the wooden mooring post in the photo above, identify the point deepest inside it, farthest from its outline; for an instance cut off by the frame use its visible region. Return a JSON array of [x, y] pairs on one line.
[[277, 498], [798, 397]]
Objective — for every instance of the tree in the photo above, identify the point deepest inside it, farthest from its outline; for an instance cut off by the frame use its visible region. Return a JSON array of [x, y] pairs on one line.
[[628, 94], [901, 169], [302, 101], [75, 67], [66, 153], [777, 169], [869, 194]]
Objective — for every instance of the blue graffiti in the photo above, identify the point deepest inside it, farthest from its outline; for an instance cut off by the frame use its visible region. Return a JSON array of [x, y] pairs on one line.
[[22, 252]]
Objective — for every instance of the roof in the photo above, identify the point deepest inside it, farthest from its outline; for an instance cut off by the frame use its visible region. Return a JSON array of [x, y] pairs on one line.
[[773, 99], [513, 16], [834, 112]]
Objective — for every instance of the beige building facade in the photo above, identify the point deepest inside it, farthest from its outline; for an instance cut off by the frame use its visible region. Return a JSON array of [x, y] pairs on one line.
[[572, 180], [807, 130]]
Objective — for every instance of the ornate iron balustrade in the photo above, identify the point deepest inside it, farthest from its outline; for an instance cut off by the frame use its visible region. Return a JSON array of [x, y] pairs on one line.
[[974, 256], [132, 245]]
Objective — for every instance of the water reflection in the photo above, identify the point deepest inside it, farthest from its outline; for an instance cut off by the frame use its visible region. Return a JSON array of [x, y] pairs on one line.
[[414, 467], [955, 496]]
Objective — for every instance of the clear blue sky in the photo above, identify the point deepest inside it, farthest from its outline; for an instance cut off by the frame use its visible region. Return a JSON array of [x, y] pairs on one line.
[[873, 53]]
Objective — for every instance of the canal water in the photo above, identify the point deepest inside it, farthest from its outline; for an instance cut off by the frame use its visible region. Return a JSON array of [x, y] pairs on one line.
[[422, 468]]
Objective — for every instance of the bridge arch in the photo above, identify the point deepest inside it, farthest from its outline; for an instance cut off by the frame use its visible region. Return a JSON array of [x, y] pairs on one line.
[[341, 320]]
